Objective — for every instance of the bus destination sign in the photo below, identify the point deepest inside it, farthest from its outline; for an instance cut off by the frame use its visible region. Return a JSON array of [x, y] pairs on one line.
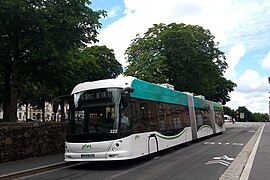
[[95, 97]]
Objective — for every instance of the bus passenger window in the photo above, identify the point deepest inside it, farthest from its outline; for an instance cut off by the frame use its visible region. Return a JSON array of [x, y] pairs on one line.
[[142, 110]]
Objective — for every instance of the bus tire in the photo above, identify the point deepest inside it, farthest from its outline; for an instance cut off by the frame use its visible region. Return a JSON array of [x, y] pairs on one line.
[[151, 156]]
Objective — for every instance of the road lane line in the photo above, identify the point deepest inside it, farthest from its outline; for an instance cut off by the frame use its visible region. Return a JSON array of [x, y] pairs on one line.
[[237, 144], [212, 143]]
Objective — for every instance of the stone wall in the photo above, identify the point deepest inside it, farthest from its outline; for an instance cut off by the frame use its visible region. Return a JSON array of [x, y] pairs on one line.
[[31, 139]]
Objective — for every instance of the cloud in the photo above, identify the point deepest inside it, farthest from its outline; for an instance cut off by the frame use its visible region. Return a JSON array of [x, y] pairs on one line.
[[232, 58], [252, 26], [252, 81], [231, 22], [113, 12], [266, 61], [239, 26], [254, 102], [251, 91]]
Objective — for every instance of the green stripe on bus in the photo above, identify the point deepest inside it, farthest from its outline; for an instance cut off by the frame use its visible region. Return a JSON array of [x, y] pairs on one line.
[[218, 107], [204, 126], [154, 92], [171, 137], [201, 103]]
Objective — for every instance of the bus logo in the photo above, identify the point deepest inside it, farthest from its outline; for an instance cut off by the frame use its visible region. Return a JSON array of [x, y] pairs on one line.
[[137, 137], [87, 146]]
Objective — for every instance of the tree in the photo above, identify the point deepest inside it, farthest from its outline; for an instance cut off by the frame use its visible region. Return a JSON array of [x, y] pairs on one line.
[[85, 64], [228, 111], [109, 67], [78, 65], [223, 87], [185, 56], [33, 33], [89, 64], [259, 117], [248, 116]]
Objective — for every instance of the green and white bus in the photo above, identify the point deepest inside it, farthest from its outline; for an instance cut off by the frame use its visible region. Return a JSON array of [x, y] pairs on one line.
[[126, 118]]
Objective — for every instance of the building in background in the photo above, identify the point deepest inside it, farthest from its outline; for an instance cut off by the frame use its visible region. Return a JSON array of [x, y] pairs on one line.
[[34, 114]]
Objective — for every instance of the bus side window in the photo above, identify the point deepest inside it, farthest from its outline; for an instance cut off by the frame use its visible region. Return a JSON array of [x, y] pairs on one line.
[[142, 110], [161, 116], [152, 123], [143, 121]]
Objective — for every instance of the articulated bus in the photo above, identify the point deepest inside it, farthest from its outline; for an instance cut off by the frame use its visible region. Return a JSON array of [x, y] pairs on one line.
[[126, 118]]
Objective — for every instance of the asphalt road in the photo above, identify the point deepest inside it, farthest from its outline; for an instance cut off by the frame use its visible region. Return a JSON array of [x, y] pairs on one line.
[[206, 159]]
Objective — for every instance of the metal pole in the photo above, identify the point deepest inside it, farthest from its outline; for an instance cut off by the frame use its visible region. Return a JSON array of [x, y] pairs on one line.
[[269, 101]]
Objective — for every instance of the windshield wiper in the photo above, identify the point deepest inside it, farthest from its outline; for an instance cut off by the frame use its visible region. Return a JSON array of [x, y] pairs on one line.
[[101, 130]]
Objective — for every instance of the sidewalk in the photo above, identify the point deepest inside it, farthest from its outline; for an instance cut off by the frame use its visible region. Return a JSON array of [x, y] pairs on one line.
[[16, 169], [261, 165]]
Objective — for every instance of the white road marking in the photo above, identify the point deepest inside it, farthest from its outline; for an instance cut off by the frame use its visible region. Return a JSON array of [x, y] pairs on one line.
[[221, 160], [213, 162], [224, 163], [227, 158], [237, 144], [209, 143], [224, 157], [220, 143]]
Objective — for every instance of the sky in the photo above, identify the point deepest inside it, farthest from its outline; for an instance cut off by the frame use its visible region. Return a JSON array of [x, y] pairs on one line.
[[241, 27]]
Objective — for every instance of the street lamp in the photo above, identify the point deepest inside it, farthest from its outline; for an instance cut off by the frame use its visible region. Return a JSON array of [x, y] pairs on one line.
[[269, 100]]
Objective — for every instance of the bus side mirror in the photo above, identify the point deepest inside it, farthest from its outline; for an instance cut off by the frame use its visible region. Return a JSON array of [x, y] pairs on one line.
[[60, 99], [56, 105], [125, 96]]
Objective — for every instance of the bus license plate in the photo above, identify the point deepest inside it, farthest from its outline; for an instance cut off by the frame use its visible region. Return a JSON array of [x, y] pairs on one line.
[[87, 155]]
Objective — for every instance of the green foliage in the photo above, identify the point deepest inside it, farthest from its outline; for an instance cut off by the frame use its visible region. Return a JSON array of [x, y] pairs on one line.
[[228, 111], [146, 60], [185, 56], [108, 66], [261, 117], [35, 34], [91, 63], [223, 87], [248, 116], [46, 28]]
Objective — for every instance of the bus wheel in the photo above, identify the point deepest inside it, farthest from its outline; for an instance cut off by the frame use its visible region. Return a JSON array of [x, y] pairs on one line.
[[187, 143], [151, 156]]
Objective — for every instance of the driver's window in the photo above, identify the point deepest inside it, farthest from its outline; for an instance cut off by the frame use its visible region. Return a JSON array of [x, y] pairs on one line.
[[95, 118], [79, 121], [102, 118], [110, 115]]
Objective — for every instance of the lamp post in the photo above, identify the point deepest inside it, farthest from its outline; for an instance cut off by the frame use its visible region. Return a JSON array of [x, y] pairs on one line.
[[269, 101]]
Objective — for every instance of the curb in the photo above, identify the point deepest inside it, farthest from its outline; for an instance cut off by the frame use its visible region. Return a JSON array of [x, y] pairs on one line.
[[235, 170], [33, 171]]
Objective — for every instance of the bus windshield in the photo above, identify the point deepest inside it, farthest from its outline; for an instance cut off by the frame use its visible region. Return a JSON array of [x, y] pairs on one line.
[[94, 115]]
